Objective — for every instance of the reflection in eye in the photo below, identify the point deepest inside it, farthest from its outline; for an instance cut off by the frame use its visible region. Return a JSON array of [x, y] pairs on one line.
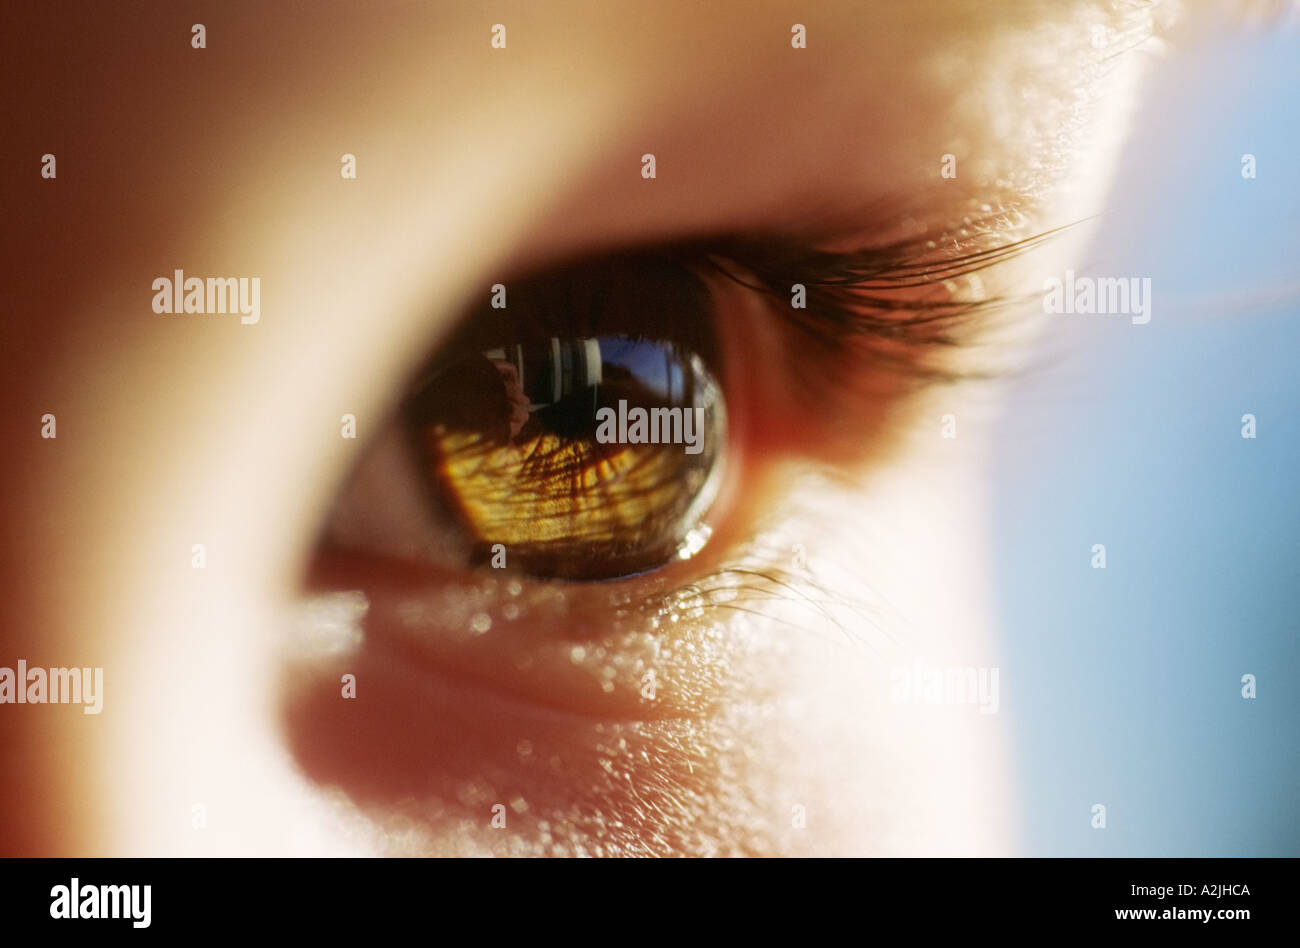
[[584, 456]]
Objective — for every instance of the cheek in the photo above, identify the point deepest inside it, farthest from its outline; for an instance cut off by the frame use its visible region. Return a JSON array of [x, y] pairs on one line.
[[474, 772]]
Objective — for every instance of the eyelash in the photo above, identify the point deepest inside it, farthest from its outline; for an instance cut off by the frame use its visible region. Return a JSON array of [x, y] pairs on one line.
[[843, 304], [843, 284]]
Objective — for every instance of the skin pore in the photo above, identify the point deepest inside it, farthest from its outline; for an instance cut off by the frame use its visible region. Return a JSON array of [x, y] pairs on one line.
[[772, 731]]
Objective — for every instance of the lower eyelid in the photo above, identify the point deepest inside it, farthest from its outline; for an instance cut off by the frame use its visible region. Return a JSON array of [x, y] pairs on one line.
[[581, 647], [586, 649], [577, 647]]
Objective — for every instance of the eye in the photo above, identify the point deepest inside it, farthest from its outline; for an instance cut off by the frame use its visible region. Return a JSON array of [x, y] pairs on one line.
[[574, 426]]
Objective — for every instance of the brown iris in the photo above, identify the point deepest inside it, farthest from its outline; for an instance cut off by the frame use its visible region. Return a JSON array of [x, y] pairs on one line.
[[583, 456]]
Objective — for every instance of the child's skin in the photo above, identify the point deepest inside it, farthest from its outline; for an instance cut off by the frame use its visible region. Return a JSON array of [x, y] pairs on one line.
[[474, 163]]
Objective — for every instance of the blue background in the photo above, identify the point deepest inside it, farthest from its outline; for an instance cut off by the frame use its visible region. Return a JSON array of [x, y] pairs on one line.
[[1124, 684]]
